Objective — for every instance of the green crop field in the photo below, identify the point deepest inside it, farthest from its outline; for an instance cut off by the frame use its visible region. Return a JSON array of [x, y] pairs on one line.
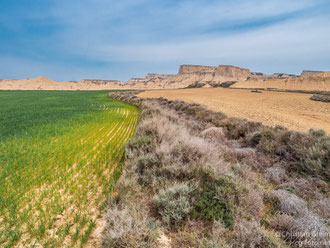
[[60, 155]]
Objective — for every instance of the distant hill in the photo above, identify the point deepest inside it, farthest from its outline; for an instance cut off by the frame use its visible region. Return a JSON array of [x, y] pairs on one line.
[[188, 76], [315, 82], [42, 83]]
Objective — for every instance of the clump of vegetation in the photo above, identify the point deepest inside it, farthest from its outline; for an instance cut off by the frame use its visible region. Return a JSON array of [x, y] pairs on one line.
[[196, 85], [306, 153], [213, 201], [256, 91], [224, 84], [264, 140], [128, 227], [320, 98], [173, 204]]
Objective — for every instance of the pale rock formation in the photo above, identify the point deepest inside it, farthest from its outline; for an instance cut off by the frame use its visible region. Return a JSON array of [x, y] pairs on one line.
[[306, 73], [318, 82], [191, 74]]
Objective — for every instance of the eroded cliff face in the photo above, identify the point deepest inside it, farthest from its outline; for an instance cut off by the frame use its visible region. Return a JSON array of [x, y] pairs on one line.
[[221, 70], [213, 76], [318, 82], [191, 74]]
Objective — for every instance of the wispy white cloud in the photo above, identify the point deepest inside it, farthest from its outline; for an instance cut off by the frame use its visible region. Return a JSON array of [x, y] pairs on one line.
[[129, 37]]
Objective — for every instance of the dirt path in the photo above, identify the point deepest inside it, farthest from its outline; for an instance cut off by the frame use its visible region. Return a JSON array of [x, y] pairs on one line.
[[292, 110]]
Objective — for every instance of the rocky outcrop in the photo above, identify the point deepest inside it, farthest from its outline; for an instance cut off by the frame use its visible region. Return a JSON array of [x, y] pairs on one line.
[[264, 76], [282, 75], [221, 70], [306, 73], [320, 82], [101, 82], [152, 80], [191, 75]]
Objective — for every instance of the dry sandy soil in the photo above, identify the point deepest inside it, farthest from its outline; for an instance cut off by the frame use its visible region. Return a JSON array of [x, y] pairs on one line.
[[292, 110]]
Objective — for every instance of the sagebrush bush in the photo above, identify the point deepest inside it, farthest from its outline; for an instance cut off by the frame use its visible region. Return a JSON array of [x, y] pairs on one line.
[[306, 188], [215, 200], [215, 134], [140, 145], [289, 203], [173, 204], [147, 162], [277, 174], [306, 153], [129, 227], [310, 154], [303, 230], [322, 208], [265, 141], [250, 234]]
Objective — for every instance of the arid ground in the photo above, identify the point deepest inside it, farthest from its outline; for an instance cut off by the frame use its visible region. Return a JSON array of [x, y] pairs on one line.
[[292, 110]]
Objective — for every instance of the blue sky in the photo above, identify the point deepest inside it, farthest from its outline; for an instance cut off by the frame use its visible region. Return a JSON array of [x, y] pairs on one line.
[[106, 39]]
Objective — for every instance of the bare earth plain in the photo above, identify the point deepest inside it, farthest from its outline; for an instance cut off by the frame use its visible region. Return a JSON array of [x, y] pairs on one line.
[[292, 110]]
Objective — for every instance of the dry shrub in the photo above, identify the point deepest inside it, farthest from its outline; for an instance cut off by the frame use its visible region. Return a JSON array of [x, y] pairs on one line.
[[237, 154], [240, 129], [296, 222], [310, 224], [322, 208], [251, 203], [214, 134], [307, 153], [140, 145], [304, 230], [312, 154], [264, 141], [289, 203], [249, 156], [306, 188], [173, 203], [147, 162], [196, 234], [277, 174], [129, 227], [250, 234]]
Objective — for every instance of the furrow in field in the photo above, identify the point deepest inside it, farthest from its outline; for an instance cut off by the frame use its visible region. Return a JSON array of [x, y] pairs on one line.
[[71, 185], [71, 168], [37, 191]]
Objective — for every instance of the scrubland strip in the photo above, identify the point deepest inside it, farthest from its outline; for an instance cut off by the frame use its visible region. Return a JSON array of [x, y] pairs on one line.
[[195, 178]]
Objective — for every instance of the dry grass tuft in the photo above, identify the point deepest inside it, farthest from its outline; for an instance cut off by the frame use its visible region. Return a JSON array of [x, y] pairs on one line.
[[129, 227]]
